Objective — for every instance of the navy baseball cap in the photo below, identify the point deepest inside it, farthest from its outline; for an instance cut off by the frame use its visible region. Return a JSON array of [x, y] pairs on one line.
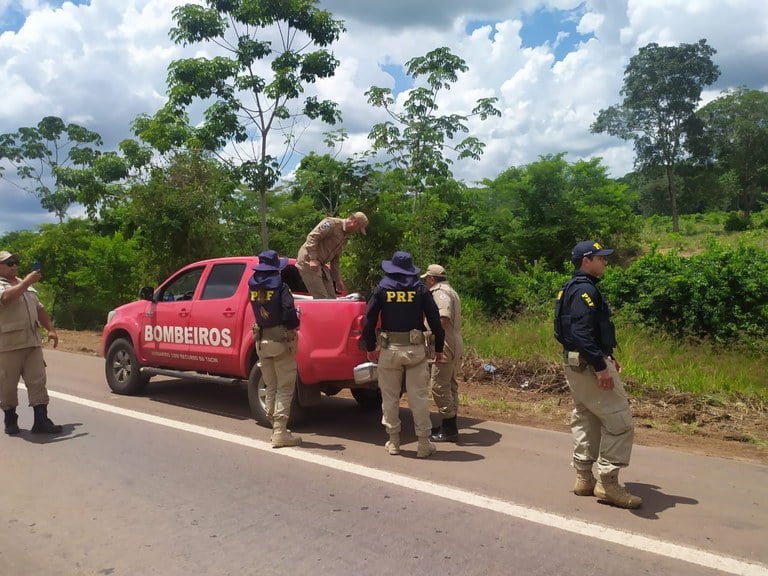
[[588, 248]]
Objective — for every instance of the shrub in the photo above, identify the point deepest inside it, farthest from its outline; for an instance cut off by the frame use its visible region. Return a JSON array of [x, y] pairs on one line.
[[736, 222], [720, 294]]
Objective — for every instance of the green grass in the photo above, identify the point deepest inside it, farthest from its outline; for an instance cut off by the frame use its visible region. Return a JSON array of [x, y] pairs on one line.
[[697, 230], [650, 361]]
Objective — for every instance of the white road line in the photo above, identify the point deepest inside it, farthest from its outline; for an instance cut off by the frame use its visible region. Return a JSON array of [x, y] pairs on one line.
[[604, 533]]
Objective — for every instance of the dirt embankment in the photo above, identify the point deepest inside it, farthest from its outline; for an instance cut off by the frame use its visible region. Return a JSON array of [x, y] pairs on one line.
[[534, 393]]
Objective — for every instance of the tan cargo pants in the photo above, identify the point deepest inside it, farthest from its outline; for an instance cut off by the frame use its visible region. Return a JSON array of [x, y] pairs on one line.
[[319, 284], [601, 422], [27, 363], [411, 358], [443, 382], [277, 359]]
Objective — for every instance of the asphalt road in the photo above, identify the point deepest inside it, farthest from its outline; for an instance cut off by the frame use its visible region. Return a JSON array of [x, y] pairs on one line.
[[181, 481]]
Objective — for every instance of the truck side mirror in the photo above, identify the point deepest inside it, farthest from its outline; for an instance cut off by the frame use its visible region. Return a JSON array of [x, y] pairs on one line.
[[146, 293]]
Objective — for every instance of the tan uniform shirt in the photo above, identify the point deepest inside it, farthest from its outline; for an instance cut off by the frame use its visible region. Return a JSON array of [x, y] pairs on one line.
[[18, 319], [448, 303], [324, 244]]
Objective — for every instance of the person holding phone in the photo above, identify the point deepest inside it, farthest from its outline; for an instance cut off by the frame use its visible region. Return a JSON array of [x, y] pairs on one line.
[[21, 354]]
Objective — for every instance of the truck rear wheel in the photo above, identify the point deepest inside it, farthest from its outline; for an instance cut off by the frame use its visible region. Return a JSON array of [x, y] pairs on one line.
[[367, 398], [257, 399], [123, 370]]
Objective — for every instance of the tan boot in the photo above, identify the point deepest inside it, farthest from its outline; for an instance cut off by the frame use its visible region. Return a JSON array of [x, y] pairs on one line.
[[585, 483], [282, 437], [608, 490], [425, 448], [393, 444]]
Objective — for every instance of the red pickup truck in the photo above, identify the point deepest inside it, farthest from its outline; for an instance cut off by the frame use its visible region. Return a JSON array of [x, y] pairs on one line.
[[197, 324]]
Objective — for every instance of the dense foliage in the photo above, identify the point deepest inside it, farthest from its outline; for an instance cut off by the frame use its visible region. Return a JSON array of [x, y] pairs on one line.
[[721, 294]]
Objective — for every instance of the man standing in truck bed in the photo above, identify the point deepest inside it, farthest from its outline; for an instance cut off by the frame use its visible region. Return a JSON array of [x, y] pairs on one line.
[[323, 246]]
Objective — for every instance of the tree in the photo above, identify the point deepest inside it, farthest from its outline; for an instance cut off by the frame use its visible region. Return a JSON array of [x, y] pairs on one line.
[[418, 140], [179, 216], [63, 163], [273, 49], [329, 182], [662, 88], [736, 138], [537, 212]]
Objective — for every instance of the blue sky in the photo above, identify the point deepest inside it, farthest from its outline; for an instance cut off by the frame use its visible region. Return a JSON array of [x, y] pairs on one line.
[[13, 17], [556, 28], [552, 64]]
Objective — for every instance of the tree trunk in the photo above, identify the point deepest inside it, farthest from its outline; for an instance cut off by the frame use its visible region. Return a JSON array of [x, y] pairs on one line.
[[263, 214], [672, 199]]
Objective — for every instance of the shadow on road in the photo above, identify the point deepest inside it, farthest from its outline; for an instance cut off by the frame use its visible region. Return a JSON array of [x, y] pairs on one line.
[[65, 434], [335, 417], [654, 500], [227, 401]]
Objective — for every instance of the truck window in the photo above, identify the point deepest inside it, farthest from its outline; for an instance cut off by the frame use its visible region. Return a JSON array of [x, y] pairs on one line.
[[223, 281], [291, 276], [182, 287]]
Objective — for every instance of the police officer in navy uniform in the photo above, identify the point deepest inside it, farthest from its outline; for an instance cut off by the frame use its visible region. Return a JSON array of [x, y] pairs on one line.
[[402, 301], [276, 340], [601, 421]]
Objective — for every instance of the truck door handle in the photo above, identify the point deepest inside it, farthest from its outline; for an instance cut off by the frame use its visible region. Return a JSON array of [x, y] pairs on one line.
[[183, 313], [228, 313]]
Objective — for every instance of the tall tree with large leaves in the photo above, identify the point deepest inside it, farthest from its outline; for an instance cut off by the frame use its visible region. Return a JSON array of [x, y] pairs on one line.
[[263, 55], [662, 89], [63, 163], [736, 138], [422, 142]]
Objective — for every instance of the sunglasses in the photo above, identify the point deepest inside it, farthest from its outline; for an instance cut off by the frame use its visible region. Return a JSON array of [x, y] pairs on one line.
[[11, 262]]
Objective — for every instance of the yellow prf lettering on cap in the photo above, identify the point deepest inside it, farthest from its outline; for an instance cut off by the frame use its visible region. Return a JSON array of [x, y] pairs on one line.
[[587, 299], [400, 296]]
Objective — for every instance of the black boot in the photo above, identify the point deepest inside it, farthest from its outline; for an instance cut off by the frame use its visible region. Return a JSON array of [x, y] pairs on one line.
[[448, 431], [43, 424], [11, 421]]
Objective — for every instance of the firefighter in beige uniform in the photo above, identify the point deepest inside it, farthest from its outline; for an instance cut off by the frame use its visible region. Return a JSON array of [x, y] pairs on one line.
[[21, 352], [443, 383], [601, 422], [323, 246]]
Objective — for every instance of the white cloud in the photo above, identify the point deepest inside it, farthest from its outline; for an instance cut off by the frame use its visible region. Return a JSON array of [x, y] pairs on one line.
[[102, 63]]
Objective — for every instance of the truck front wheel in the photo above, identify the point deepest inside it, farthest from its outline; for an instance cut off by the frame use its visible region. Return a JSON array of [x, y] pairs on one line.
[[257, 399], [123, 370]]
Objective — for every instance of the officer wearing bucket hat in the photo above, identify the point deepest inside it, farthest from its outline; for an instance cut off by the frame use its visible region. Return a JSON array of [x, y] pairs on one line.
[[601, 422], [443, 382], [275, 337], [402, 302], [322, 247], [21, 354]]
